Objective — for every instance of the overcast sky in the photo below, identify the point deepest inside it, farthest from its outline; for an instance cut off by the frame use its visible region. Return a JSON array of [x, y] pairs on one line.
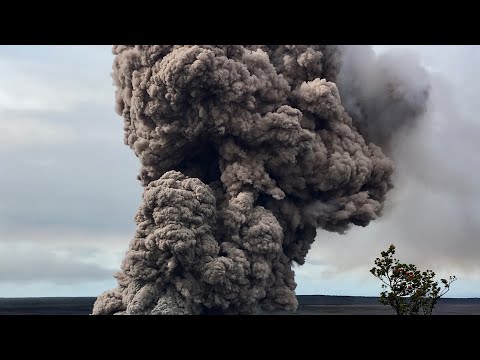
[[69, 192]]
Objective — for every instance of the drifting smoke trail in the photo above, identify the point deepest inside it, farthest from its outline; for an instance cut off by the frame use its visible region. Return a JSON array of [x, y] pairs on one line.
[[245, 152], [385, 95], [432, 214]]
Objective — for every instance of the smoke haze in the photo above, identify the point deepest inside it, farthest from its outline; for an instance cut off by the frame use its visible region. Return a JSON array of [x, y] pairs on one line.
[[432, 215]]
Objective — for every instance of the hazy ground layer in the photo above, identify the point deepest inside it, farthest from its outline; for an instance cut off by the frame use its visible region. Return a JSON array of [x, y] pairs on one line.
[[308, 305]]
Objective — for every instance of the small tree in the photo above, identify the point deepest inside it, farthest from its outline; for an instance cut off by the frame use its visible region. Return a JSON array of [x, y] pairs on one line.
[[407, 290]]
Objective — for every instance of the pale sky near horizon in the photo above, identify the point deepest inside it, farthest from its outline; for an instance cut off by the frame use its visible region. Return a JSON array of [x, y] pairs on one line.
[[69, 192]]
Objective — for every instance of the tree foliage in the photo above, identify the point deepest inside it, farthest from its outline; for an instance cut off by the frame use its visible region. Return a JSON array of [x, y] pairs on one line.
[[406, 289]]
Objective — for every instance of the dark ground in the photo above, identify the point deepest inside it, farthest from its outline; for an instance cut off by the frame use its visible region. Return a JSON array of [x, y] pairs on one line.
[[308, 305]]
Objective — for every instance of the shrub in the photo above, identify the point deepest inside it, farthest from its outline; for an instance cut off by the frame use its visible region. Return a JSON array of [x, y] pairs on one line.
[[407, 290]]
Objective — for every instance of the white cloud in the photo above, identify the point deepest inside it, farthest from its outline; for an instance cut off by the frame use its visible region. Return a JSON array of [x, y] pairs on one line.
[[58, 80], [32, 132], [30, 86], [60, 256], [41, 288]]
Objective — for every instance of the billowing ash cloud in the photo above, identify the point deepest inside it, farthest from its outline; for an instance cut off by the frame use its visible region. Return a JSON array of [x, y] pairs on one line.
[[245, 152]]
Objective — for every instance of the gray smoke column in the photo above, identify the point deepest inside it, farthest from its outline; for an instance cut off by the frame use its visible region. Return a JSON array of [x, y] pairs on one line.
[[245, 151]]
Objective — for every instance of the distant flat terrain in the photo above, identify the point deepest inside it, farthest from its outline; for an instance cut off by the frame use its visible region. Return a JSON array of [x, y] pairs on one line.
[[358, 305], [308, 305]]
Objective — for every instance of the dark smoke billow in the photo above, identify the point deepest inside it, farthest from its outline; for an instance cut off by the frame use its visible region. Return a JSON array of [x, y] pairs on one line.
[[245, 151]]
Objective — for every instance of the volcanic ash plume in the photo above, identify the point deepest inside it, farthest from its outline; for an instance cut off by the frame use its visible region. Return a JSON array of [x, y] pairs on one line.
[[245, 151]]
